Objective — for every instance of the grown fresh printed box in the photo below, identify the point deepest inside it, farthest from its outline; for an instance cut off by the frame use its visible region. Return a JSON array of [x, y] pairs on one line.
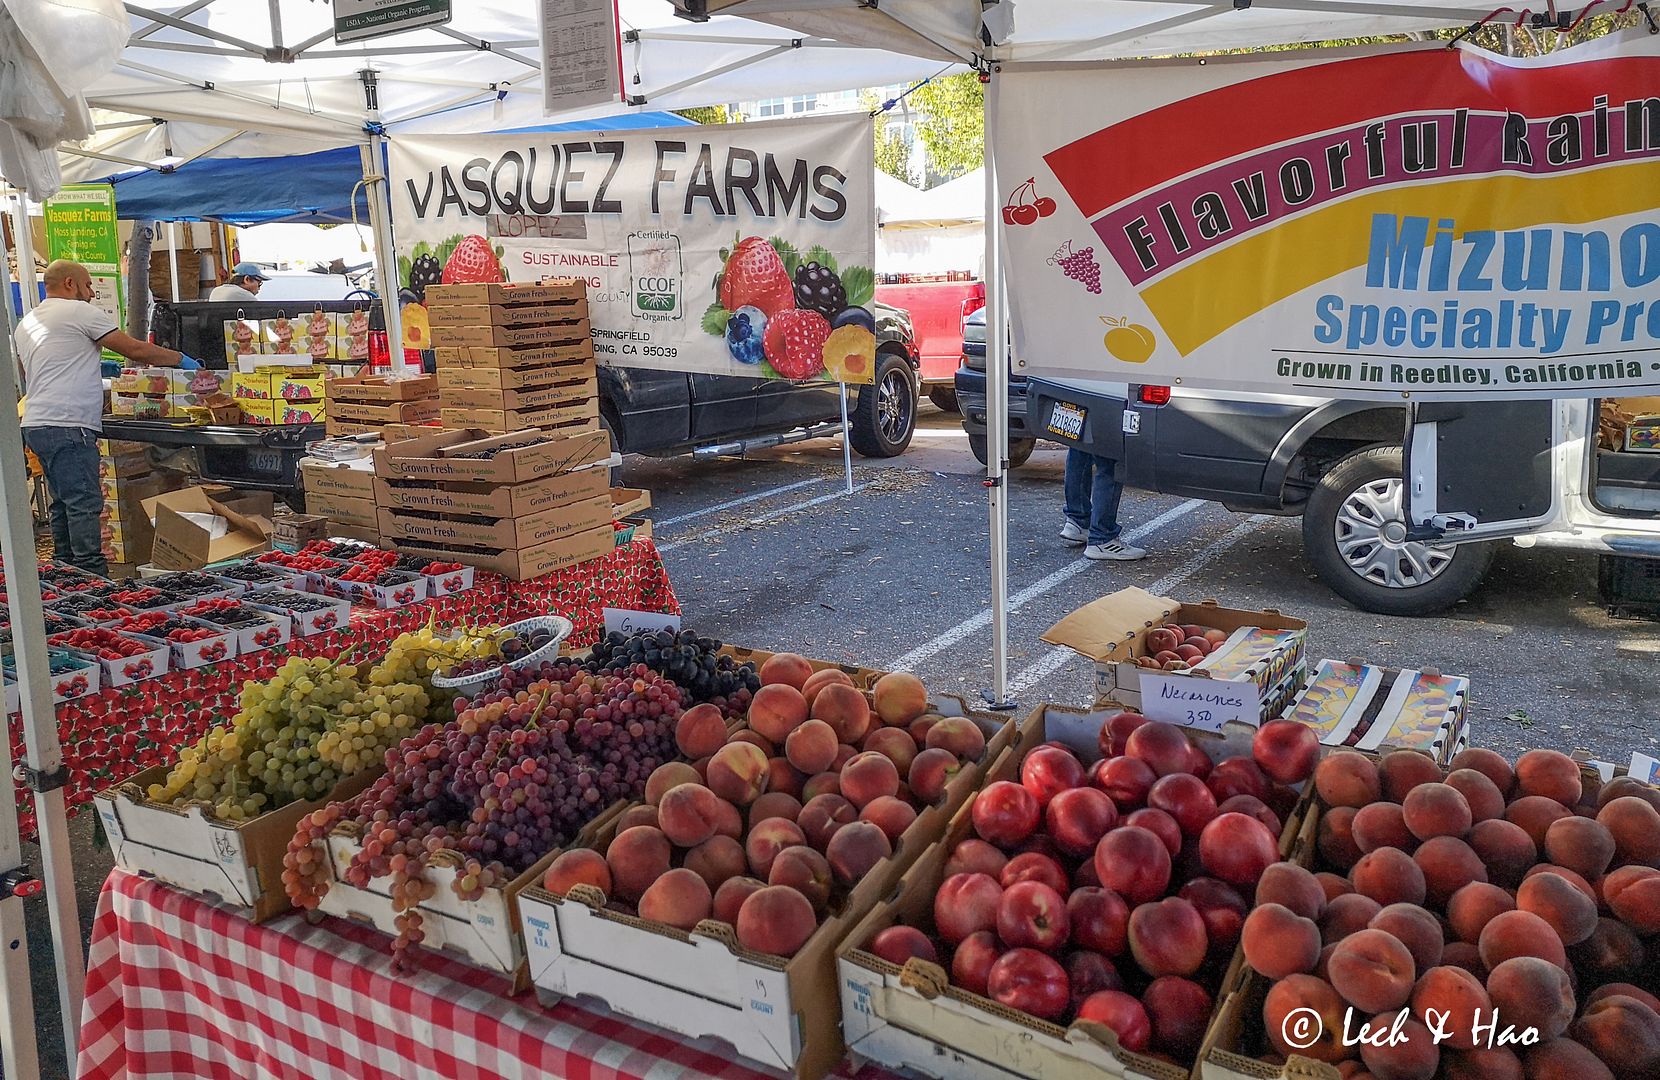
[[542, 527], [569, 392], [490, 500], [475, 455], [507, 373], [500, 337], [517, 564]]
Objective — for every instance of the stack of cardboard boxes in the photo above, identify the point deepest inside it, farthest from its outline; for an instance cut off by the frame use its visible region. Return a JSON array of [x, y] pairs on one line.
[[511, 357], [127, 479], [343, 492], [370, 404], [281, 395]]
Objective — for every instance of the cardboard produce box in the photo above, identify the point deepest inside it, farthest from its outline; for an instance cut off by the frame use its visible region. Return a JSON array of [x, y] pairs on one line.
[[528, 531], [346, 479], [343, 510], [369, 534], [531, 355], [568, 392], [240, 863], [291, 532], [1375, 708], [516, 456], [576, 332], [629, 502], [380, 389], [491, 500], [510, 369], [780, 1013], [517, 564], [553, 291], [200, 525], [379, 414], [567, 419], [1260, 650], [446, 315], [336, 428]]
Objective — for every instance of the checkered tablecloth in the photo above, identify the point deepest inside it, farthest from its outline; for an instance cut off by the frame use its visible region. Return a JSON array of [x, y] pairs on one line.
[[180, 987]]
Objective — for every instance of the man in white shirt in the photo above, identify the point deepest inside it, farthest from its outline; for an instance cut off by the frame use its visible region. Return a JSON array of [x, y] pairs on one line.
[[58, 346], [243, 285]]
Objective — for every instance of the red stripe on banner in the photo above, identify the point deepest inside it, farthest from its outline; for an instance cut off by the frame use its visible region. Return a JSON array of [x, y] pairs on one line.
[[1145, 151]]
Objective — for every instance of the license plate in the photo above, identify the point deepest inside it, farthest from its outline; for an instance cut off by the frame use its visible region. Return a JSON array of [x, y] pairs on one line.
[[1067, 420], [265, 461]]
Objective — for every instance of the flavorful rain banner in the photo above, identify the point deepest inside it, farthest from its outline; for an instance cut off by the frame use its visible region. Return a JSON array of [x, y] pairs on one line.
[[739, 249], [1420, 222]]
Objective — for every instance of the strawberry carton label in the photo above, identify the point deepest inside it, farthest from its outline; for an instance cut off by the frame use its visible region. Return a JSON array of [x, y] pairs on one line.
[[312, 612], [135, 666], [388, 589], [216, 647], [460, 579]]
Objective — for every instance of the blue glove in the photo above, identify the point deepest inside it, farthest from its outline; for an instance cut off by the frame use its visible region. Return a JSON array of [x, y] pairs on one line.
[[188, 363]]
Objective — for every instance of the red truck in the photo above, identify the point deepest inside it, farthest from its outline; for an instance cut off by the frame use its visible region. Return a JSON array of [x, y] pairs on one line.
[[938, 307]]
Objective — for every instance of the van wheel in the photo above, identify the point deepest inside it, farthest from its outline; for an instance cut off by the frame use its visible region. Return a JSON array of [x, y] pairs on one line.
[[1020, 450], [885, 417], [943, 397], [1354, 531], [610, 426]]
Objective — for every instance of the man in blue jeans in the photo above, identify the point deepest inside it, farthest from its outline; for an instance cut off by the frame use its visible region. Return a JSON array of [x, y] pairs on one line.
[[58, 347], [1092, 509]]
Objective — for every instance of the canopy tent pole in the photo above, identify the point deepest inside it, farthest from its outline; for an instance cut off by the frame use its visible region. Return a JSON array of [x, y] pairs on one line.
[[997, 416], [173, 256], [379, 189], [847, 441], [26, 285]]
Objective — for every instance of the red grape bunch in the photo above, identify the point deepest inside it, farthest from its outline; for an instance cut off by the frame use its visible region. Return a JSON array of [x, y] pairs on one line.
[[1079, 265]]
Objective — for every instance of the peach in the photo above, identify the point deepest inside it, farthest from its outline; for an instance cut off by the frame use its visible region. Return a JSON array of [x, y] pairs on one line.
[[1572, 877], [1633, 895], [1335, 837], [1134, 863], [1624, 990], [1167, 937], [730, 896], [1462, 954], [717, 860], [1551, 774], [766, 840], [930, 772], [811, 747], [1293, 887], [701, 766], [728, 821], [806, 871], [776, 920], [1583, 845], [825, 783], [1297, 994], [1161, 825], [779, 709], [1489, 764], [844, 754], [1415, 928], [971, 961], [637, 858], [1474, 906], [900, 698], [774, 804], [1078, 818], [1562, 1059], [687, 814], [1458, 998], [789, 668], [973, 856], [1180, 1012], [1333, 885], [738, 772], [1497, 1063], [1347, 778], [680, 898], [1621, 786], [1505, 848], [823, 816], [1389, 876], [666, 776], [1448, 864], [1251, 806], [1372, 970], [784, 777], [895, 744], [1485, 799], [1514, 934], [959, 735], [1164, 747], [893, 816], [1554, 899], [818, 680], [1279, 942], [869, 776], [1408, 1052], [1126, 780], [919, 728], [1285, 750], [1237, 848], [1345, 915], [898, 944], [1535, 814], [1532, 993], [1236, 776], [1403, 770], [641, 814], [855, 849], [700, 731], [845, 710], [1221, 907], [755, 738], [1380, 825], [1611, 953], [579, 866], [1432, 810], [1635, 826]]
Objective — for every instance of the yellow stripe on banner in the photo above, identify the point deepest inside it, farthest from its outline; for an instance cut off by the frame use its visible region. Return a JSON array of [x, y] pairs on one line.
[[1199, 302]]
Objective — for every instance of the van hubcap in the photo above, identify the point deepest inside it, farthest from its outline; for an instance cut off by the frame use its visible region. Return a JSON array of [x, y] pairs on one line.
[[1371, 537], [892, 406]]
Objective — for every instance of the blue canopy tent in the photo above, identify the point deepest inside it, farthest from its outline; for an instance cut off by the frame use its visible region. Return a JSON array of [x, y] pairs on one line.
[[315, 188]]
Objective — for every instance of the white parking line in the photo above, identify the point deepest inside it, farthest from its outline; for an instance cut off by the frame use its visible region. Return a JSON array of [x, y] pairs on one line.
[[744, 501], [975, 623], [1056, 660], [768, 516]]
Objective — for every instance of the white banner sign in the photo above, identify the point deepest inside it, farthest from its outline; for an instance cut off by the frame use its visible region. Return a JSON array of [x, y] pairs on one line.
[[737, 249], [1418, 222], [1206, 704]]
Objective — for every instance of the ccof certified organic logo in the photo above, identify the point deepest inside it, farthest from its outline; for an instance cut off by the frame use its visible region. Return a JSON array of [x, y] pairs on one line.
[[655, 271]]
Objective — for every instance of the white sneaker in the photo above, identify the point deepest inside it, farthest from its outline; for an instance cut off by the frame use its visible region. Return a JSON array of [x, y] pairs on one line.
[[1074, 535], [1115, 551]]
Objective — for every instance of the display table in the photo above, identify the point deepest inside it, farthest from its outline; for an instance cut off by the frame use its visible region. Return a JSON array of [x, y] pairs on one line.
[[179, 987], [111, 735]]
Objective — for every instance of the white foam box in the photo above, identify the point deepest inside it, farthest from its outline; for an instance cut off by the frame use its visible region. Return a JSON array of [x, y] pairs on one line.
[[187, 655], [306, 623], [911, 1018], [69, 685], [777, 1012], [453, 582], [188, 846], [1369, 707], [483, 932], [278, 630], [411, 589], [150, 664]]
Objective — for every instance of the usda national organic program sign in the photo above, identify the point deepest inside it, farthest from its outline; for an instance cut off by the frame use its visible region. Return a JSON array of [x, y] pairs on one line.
[[1419, 222], [739, 249]]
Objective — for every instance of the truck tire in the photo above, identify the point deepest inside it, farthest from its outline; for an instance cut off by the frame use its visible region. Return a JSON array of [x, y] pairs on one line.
[[1353, 532], [943, 397], [608, 423], [885, 418], [1020, 450]]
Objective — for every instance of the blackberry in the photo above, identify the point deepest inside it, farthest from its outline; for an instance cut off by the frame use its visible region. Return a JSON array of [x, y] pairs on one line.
[[817, 288], [424, 271]]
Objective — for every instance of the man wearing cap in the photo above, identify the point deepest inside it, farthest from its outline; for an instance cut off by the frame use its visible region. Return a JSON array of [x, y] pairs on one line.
[[58, 347], [243, 285]]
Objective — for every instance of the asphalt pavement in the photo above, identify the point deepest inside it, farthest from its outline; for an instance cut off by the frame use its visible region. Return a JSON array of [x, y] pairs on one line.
[[772, 552]]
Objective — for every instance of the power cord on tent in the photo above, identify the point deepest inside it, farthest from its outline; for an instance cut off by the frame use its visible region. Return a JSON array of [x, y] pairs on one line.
[[909, 90], [1561, 21], [362, 244]]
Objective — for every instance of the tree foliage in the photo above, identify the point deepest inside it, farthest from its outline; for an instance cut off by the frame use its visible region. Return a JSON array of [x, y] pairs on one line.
[[705, 114], [950, 121]]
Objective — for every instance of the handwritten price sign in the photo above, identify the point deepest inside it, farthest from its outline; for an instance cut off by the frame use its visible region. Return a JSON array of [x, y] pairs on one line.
[[1205, 704]]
